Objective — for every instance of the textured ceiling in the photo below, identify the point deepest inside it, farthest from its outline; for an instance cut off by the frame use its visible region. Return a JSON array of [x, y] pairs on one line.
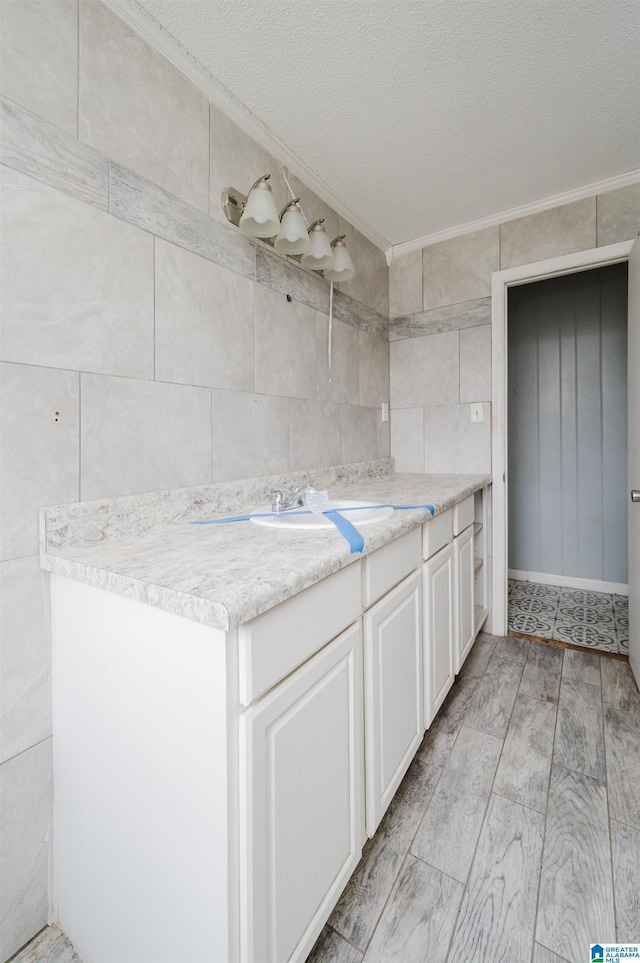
[[426, 114]]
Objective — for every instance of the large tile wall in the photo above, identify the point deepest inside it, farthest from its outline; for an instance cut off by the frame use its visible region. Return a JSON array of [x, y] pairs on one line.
[[440, 324], [145, 343]]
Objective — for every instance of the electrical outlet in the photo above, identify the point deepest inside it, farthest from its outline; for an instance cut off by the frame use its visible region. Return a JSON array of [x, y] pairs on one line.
[[477, 412], [384, 412]]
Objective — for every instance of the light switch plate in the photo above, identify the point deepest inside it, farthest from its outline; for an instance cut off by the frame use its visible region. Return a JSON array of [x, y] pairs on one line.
[[384, 413], [477, 412]]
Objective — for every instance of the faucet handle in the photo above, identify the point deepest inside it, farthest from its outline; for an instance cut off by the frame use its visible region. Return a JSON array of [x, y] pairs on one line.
[[278, 499], [301, 490]]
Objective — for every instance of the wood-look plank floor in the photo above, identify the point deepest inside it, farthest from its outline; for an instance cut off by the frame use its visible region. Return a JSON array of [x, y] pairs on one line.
[[421, 913], [514, 836], [618, 688], [542, 672], [449, 831], [579, 730], [576, 890], [490, 709], [542, 955], [625, 844], [498, 916], [49, 946], [623, 764], [544, 846], [523, 773], [582, 667]]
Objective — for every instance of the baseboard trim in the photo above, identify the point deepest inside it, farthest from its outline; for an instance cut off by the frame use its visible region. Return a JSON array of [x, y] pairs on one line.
[[567, 581]]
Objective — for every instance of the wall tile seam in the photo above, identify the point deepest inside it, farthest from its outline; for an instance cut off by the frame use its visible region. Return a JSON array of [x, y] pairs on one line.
[[40, 519], [413, 335], [19, 558], [209, 198], [474, 327], [78, 70], [95, 374], [359, 314], [34, 745], [459, 369], [316, 399], [155, 292]]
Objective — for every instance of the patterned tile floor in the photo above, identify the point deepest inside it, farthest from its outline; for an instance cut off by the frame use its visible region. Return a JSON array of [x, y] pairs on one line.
[[593, 619]]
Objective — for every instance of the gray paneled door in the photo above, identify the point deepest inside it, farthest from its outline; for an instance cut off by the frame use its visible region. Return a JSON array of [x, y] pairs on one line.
[[567, 424], [634, 459]]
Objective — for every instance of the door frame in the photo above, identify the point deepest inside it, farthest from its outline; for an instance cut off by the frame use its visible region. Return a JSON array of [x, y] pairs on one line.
[[501, 281]]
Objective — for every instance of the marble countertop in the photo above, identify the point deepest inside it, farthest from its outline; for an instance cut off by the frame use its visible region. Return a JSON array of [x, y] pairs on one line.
[[143, 547]]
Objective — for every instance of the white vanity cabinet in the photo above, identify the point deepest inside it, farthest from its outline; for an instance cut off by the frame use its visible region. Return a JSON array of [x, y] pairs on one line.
[[393, 686], [465, 575], [301, 775], [392, 597], [301, 801], [482, 561], [463, 542], [452, 617], [439, 598], [213, 790], [440, 611]]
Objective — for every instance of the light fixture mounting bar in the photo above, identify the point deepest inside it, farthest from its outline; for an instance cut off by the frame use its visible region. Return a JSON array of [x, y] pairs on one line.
[[233, 204]]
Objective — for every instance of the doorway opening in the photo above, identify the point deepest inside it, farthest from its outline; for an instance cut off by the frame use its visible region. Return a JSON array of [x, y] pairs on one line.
[[554, 459], [567, 458]]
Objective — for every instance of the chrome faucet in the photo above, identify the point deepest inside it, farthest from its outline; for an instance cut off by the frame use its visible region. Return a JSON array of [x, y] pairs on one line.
[[282, 502]]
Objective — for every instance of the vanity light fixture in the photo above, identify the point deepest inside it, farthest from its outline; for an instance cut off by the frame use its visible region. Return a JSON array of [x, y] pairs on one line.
[[257, 217], [320, 256], [292, 237], [343, 269]]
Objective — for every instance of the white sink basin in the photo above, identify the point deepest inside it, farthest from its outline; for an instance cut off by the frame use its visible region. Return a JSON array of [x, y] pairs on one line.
[[366, 513]]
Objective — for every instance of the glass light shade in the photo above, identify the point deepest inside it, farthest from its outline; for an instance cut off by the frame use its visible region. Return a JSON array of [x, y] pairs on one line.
[[293, 237], [260, 214], [343, 269], [320, 257]]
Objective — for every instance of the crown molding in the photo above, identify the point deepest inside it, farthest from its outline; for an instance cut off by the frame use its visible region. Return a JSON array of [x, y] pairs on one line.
[[173, 51], [578, 194]]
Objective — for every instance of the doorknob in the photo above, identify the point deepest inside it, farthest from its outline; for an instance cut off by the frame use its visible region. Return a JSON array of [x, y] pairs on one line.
[[635, 494]]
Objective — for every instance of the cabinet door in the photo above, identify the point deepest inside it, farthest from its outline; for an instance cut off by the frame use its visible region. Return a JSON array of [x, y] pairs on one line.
[[393, 687], [301, 806], [439, 629], [464, 565]]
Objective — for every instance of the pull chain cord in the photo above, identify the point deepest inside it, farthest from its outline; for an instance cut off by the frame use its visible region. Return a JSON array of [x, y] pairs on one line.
[[330, 329], [292, 195]]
